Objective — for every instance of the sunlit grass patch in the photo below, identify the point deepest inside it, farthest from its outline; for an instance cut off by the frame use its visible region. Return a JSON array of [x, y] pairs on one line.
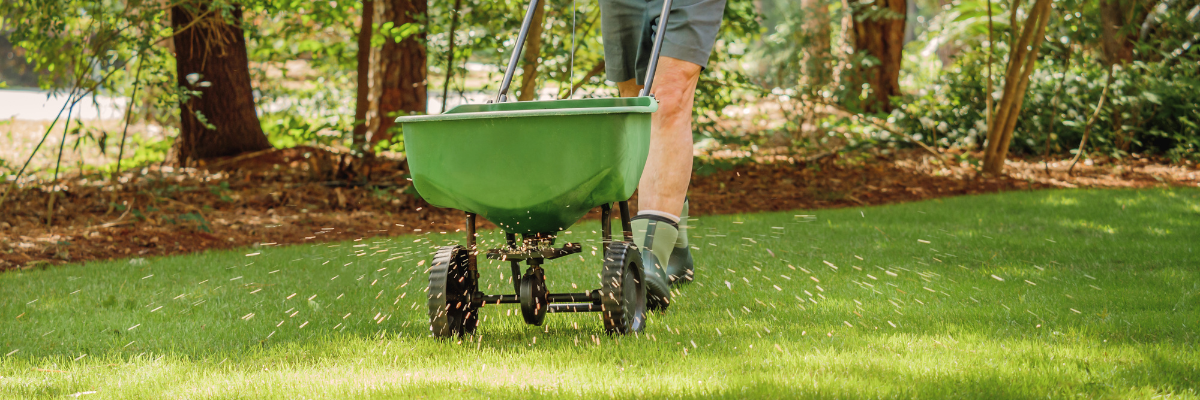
[[987, 297], [1089, 225], [1061, 200]]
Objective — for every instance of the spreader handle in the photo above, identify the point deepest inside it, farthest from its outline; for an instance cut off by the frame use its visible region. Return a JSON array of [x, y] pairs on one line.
[[658, 39], [512, 61]]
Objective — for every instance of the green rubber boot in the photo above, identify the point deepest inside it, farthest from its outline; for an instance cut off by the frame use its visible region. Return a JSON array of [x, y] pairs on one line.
[[679, 266], [655, 236]]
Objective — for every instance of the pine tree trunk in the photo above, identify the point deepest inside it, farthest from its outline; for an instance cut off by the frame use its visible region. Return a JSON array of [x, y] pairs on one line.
[[221, 121], [883, 38], [533, 53], [403, 68]]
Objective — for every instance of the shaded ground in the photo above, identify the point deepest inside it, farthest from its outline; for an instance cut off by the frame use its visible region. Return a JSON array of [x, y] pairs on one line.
[[306, 194]]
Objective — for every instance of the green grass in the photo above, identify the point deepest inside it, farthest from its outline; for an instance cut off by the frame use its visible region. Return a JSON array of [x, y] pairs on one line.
[[1054, 294]]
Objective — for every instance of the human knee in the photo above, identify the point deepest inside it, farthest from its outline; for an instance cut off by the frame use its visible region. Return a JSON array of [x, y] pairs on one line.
[[674, 100], [675, 86]]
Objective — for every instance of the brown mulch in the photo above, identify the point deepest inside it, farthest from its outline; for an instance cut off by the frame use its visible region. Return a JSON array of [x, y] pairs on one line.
[[306, 194]]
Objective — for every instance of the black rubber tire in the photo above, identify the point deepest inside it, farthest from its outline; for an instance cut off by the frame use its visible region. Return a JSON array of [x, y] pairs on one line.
[[535, 299], [452, 310], [622, 290]]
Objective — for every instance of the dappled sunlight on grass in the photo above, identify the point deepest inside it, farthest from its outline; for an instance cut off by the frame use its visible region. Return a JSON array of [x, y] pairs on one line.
[[1060, 201], [1088, 225], [997, 296]]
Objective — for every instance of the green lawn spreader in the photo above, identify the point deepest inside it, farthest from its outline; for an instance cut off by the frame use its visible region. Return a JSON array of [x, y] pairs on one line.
[[534, 168]]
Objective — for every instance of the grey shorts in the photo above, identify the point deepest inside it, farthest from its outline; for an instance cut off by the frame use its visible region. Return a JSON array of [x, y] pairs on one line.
[[627, 28]]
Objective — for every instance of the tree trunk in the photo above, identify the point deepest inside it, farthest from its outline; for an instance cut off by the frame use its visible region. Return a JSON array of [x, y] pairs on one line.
[[402, 68], [363, 101], [221, 121], [450, 55], [1021, 62], [882, 37], [1115, 39], [533, 53], [816, 63]]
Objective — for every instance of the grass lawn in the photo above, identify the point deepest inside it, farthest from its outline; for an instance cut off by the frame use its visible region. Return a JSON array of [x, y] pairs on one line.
[[1059, 294]]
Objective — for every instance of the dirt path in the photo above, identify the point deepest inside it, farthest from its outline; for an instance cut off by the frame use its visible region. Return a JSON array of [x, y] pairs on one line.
[[280, 198]]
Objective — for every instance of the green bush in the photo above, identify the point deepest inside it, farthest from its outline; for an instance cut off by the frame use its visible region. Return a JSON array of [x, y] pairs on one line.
[[1151, 108]]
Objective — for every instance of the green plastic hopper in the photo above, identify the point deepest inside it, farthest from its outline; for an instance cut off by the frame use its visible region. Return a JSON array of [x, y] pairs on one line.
[[530, 167]]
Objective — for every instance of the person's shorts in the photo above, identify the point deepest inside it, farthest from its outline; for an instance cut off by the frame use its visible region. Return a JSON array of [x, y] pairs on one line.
[[627, 28]]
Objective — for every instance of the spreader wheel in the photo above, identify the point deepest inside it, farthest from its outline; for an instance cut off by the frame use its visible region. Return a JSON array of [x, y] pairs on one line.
[[622, 290], [452, 311], [535, 299]]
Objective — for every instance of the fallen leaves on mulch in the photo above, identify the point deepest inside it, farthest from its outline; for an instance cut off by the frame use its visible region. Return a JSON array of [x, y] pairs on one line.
[[287, 196]]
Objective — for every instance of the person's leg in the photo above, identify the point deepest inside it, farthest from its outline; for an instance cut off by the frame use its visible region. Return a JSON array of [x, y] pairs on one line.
[[667, 174], [669, 164], [687, 44], [668, 168]]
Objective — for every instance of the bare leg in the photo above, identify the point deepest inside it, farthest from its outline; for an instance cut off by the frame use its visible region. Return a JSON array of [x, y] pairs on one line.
[[669, 166]]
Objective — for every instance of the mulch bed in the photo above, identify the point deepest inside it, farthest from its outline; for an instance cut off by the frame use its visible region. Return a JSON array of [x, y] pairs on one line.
[[304, 195]]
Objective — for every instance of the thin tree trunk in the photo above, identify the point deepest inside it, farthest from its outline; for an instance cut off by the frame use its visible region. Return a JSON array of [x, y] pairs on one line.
[[987, 98], [1087, 128], [403, 68], [450, 56], [1031, 58], [533, 53], [1012, 21], [882, 37], [221, 121], [363, 102], [1022, 59], [137, 80], [1117, 43]]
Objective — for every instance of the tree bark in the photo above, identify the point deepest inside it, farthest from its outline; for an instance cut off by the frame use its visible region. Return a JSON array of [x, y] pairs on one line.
[[403, 68], [533, 53], [221, 121], [1021, 62], [1115, 39], [817, 60], [883, 38], [363, 101]]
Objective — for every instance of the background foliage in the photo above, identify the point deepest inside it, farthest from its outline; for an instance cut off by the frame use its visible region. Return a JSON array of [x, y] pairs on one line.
[[764, 88]]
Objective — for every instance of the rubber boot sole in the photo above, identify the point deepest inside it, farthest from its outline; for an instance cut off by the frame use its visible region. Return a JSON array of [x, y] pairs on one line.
[[679, 267]]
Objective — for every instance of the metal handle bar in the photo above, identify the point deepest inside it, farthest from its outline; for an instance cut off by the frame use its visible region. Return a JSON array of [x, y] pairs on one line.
[[502, 96], [658, 39], [512, 61]]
